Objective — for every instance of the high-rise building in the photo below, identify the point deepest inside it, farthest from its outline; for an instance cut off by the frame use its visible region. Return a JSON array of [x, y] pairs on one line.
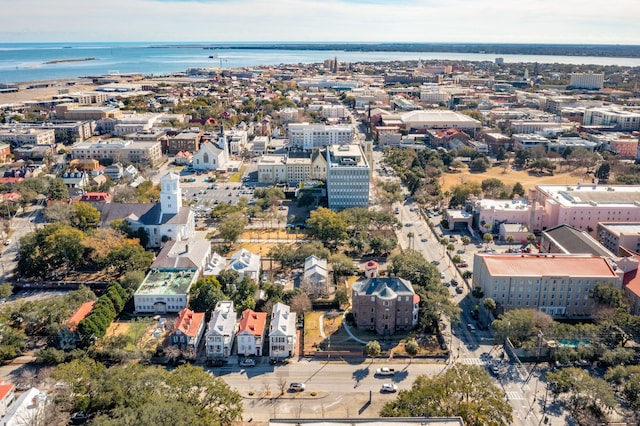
[[348, 176], [587, 81]]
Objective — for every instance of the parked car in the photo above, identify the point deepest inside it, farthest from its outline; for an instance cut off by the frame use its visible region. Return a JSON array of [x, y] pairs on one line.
[[296, 387], [471, 328], [463, 264], [389, 387], [248, 362], [459, 290]]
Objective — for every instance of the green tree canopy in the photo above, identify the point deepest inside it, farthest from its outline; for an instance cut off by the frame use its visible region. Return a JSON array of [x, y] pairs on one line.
[[464, 390], [84, 216], [327, 226], [132, 395]]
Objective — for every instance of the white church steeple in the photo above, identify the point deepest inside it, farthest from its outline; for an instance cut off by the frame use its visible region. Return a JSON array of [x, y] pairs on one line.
[[170, 194]]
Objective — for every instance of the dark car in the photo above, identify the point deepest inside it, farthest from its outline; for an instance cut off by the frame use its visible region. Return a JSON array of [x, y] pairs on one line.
[[459, 290]]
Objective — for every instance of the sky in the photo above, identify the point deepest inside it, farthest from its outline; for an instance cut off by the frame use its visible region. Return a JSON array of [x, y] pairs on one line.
[[479, 21]]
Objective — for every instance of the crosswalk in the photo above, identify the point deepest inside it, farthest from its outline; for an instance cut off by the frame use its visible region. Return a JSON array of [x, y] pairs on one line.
[[472, 361], [514, 395]]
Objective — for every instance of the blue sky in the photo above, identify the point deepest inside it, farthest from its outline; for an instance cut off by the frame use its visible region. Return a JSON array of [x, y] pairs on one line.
[[504, 21]]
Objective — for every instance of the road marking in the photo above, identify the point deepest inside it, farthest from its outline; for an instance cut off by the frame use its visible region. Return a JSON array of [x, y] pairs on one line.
[[472, 361], [514, 395]]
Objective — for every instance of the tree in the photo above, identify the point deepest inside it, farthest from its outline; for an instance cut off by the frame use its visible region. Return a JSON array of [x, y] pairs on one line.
[[58, 190], [129, 256], [531, 238], [603, 172], [58, 212], [518, 189], [521, 325], [490, 305], [487, 238], [205, 294], [341, 297], [460, 193], [232, 227], [501, 154], [300, 304], [341, 264], [84, 216], [463, 390], [327, 226], [480, 164], [197, 398], [411, 347], [588, 396], [372, 348]]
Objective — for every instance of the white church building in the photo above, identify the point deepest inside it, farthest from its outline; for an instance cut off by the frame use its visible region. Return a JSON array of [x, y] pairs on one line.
[[166, 220], [211, 156]]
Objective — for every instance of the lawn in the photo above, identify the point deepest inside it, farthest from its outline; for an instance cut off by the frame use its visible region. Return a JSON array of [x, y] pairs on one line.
[[137, 333], [562, 177]]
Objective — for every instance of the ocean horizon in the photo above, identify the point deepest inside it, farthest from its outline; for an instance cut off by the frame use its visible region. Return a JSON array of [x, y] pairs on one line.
[[21, 62]]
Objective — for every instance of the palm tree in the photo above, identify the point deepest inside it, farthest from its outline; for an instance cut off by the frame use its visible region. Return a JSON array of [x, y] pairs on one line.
[[490, 305], [488, 238]]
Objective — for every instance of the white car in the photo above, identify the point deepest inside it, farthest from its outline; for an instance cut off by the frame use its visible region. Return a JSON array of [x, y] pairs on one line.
[[389, 387], [248, 362], [296, 387]]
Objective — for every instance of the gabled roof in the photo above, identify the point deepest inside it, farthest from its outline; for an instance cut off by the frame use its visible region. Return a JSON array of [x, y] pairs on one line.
[[189, 322], [574, 241], [252, 322], [223, 318], [80, 314], [182, 255], [244, 259], [5, 389], [283, 321]]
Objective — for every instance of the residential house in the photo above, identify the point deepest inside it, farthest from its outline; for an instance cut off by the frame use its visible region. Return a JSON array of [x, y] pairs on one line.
[[251, 333], [315, 275], [246, 264], [68, 336], [7, 395], [221, 331], [216, 264], [385, 305], [30, 405], [187, 331], [282, 332]]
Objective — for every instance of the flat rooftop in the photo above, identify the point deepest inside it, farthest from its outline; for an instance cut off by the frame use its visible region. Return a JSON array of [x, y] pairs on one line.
[[632, 228], [550, 265], [167, 282], [589, 194]]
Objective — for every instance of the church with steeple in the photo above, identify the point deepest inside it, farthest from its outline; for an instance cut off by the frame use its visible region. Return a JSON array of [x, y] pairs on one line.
[[165, 220]]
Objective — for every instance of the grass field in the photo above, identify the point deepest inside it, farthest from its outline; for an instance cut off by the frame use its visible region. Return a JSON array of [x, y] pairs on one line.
[[561, 177]]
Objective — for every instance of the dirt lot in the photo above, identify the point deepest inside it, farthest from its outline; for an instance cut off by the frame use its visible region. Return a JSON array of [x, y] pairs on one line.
[[141, 332], [509, 178]]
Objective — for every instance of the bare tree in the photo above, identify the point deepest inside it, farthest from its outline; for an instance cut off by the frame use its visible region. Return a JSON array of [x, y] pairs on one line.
[[266, 388], [282, 384], [300, 303]]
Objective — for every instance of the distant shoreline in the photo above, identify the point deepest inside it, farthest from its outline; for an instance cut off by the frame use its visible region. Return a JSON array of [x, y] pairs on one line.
[[58, 61]]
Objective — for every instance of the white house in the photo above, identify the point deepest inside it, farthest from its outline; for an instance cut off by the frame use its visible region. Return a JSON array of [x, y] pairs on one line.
[[246, 264], [211, 157], [30, 405], [216, 265], [316, 274], [251, 333], [221, 331], [282, 332]]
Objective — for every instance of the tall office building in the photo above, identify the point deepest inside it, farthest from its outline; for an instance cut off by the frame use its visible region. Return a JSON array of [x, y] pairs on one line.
[[347, 177]]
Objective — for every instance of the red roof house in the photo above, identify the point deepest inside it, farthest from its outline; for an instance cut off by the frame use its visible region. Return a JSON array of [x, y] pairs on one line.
[[250, 335]]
